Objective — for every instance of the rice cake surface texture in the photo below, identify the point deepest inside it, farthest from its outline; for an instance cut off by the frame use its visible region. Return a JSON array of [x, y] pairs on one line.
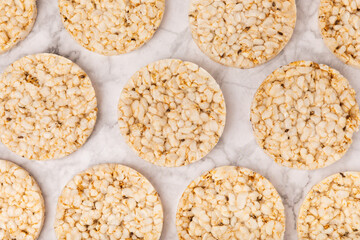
[[331, 209], [339, 22], [240, 33], [172, 113], [304, 115], [109, 201], [48, 109], [112, 27], [22, 209], [230, 203], [16, 21]]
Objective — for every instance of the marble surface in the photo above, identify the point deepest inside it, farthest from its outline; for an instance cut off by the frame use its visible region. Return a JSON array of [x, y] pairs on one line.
[[237, 145]]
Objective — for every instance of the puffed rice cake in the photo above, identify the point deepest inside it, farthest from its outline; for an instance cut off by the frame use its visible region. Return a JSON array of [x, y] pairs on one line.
[[304, 115], [109, 201], [339, 22], [230, 203], [17, 18], [112, 27], [240, 33], [48, 107], [22, 209], [331, 209], [172, 113]]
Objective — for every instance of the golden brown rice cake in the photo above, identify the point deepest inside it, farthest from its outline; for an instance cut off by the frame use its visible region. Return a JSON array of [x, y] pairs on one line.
[[16, 21], [172, 113], [339, 22], [48, 107], [230, 203], [241, 33], [331, 209], [304, 115], [109, 201], [112, 27], [22, 209]]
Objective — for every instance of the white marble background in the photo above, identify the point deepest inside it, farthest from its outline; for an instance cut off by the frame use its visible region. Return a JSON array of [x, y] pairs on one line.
[[237, 145]]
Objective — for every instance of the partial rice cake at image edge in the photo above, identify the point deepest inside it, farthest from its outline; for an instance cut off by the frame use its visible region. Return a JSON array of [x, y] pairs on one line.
[[230, 203], [339, 23], [49, 107], [172, 113], [331, 210], [242, 34], [22, 209], [17, 19], [111, 27], [304, 115], [109, 201]]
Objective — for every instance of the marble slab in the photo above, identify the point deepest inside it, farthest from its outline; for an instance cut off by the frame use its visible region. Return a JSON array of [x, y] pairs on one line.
[[237, 145]]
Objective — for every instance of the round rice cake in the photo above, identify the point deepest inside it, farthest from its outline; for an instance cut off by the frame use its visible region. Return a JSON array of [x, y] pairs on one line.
[[331, 209], [339, 23], [22, 209], [17, 18], [240, 33], [111, 27], [48, 107], [304, 115], [109, 201], [172, 113], [230, 203]]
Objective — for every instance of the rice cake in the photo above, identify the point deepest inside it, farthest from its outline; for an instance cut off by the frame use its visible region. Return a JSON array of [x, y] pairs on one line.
[[17, 18], [240, 33], [339, 23], [230, 203], [109, 201], [22, 209], [111, 27], [331, 209], [304, 115], [172, 113], [48, 109]]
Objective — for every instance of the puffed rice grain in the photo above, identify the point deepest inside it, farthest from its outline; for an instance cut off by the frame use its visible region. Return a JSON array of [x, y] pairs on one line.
[[22, 209], [242, 33], [16, 21], [304, 115], [331, 209], [172, 113], [112, 27], [339, 22], [109, 201], [48, 107], [230, 203]]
